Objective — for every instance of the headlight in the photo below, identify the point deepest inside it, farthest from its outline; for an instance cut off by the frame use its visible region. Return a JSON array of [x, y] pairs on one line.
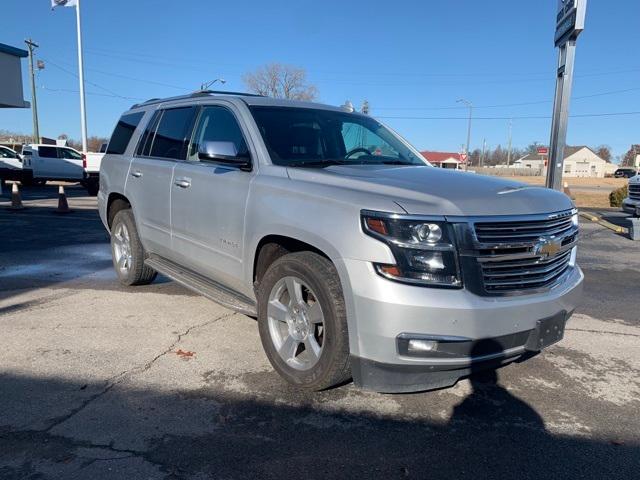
[[424, 250]]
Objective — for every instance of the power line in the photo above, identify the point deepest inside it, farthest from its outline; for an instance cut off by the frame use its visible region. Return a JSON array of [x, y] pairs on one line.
[[527, 117], [87, 81], [519, 104], [66, 90]]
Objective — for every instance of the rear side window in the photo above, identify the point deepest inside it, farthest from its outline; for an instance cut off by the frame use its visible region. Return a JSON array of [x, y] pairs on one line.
[[70, 154], [123, 132], [144, 146], [172, 134], [48, 152]]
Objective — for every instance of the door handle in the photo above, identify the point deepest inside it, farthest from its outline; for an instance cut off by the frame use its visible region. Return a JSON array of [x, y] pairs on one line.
[[136, 173], [182, 182]]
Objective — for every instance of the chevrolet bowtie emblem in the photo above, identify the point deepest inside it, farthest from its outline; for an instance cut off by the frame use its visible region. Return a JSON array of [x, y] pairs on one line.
[[547, 247]]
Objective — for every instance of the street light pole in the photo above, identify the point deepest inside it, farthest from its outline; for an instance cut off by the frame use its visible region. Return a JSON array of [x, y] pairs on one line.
[[510, 135], [205, 86], [470, 105], [83, 109], [34, 102]]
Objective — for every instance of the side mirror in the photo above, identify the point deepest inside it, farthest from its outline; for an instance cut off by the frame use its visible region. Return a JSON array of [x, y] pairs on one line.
[[223, 152]]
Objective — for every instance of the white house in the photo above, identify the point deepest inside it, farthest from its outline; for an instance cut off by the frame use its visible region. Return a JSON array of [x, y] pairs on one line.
[[579, 161]]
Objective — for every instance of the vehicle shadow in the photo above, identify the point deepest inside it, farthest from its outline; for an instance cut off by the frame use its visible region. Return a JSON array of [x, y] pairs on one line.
[[57, 428]]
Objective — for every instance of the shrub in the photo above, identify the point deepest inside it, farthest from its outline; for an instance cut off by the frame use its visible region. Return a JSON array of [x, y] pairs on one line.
[[618, 195]]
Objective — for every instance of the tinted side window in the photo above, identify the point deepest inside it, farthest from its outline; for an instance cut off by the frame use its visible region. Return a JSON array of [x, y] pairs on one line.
[[7, 153], [217, 124], [144, 146], [172, 133], [123, 132], [48, 152], [70, 154]]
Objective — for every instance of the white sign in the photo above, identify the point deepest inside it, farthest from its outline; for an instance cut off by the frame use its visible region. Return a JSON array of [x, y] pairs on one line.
[[63, 3]]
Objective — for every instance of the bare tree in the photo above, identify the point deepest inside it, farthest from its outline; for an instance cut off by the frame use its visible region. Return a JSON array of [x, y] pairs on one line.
[[629, 158], [281, 81], [604, 152]]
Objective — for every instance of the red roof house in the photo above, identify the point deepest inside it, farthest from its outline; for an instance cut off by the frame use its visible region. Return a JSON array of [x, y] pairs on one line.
[[443, 159]]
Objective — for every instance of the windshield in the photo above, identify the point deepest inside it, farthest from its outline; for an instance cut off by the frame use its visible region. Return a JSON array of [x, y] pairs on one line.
[[6, 153], [305, 137]]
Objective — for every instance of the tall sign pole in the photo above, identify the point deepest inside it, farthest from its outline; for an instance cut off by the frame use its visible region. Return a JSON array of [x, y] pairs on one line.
[[83, 112], [569, 24]]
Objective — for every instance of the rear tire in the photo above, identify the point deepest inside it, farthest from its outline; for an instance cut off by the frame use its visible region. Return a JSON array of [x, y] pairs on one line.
[[127, 251], [304, 333]]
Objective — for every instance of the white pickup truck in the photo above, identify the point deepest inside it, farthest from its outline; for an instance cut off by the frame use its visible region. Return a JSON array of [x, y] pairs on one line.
[[51, 162]]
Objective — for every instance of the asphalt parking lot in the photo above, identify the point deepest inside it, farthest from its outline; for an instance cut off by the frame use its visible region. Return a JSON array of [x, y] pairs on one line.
[[98, 381]]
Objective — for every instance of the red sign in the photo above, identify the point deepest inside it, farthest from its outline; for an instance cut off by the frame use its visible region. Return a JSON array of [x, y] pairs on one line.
[[542, 150], [463, 157]]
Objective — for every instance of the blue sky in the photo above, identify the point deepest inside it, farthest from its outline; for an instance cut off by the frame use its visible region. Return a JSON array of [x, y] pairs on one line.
[[408, 58]]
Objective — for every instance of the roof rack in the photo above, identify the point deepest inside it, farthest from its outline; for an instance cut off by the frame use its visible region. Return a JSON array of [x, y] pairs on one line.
[[199, 93]]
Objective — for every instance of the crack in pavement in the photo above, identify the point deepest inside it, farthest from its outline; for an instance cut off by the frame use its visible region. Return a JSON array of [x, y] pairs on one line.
[[603, 331], [122, 376]]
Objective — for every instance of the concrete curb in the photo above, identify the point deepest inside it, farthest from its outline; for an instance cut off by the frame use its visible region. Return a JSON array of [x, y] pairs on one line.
[[604, 223]]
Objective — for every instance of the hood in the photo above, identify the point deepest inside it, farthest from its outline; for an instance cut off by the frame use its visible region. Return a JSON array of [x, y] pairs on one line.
[[634, 180], [437, 191]]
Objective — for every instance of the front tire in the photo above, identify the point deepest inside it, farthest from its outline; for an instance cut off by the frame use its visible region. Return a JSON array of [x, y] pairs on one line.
[[127, 251], [302, 321]]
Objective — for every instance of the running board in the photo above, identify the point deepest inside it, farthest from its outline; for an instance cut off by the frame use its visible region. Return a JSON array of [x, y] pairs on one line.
[[202, 285]]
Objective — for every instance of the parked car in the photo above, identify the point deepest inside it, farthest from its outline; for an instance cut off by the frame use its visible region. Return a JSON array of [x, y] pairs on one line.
[[631, 204], [51, 162], [10, 165], [358, 258], [625, 173]]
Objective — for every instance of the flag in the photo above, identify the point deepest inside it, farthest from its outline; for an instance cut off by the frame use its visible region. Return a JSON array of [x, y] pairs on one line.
[[63, 3]]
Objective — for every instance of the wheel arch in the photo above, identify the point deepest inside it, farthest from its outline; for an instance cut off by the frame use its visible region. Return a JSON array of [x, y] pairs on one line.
[[273, 246], [115, 203]]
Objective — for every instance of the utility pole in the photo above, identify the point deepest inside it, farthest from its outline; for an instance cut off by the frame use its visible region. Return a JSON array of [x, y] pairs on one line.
[[31, 45], [484, 149], [470, 105], [510, 135]]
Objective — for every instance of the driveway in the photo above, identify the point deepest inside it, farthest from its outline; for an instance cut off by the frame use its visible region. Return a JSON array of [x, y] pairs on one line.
[[98, 381]]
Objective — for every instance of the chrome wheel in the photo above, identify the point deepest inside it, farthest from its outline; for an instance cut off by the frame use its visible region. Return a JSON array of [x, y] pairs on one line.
[[296, 323], [122, 248]]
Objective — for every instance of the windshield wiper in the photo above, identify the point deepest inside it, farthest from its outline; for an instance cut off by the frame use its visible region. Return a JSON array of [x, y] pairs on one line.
[[319, 163], [395, 162]]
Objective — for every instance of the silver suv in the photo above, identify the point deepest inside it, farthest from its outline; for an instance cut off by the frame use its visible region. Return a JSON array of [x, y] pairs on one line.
[[358, 258]]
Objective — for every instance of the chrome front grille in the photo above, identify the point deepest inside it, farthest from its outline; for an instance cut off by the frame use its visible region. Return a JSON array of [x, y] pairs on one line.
[[521, 231], [634, 191], [524, 254]]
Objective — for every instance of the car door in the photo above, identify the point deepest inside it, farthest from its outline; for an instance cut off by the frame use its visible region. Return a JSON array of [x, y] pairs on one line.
[[45, 163], [208, 201], [70, 165], [148, 185]]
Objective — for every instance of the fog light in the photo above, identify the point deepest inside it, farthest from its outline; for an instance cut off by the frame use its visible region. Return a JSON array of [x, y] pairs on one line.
[[418, 346]]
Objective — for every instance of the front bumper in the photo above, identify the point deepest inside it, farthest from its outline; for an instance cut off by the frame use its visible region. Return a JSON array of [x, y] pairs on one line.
[[631, 206], [379, 311]]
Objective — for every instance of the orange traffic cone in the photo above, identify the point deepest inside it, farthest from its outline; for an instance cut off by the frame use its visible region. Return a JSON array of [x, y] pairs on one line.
[[63, 205], [16, 199]]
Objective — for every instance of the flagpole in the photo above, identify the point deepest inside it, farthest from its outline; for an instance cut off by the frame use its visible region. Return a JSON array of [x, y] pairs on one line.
[[83, 114]]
